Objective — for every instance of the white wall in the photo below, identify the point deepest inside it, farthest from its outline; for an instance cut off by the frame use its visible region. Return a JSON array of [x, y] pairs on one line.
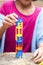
[[38, 3]]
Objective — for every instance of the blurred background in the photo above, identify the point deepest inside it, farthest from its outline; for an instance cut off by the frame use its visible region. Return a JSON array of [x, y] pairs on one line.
[[37, 2]]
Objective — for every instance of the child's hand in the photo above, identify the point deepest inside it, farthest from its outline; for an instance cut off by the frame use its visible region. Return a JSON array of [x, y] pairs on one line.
[[9, 20], [38, 54]]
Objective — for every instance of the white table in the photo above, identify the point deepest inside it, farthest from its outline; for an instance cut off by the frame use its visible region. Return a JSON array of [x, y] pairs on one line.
[[10, 59]]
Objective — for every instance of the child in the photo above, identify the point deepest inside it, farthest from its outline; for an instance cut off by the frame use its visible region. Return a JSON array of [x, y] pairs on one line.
[[32, 18]]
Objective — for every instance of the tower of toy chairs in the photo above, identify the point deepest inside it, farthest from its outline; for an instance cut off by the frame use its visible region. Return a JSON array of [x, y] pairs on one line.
[[19, 38]]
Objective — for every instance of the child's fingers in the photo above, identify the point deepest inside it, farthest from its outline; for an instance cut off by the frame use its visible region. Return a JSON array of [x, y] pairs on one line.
[[38, 56], [11, 17], [10, 20], [15, 15], [40, 59], [6, 24], [36, 53]]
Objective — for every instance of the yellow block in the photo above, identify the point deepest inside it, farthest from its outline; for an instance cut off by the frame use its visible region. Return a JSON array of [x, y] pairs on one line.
[[18, 27], [20, 24], [18, 35], [41, 63]]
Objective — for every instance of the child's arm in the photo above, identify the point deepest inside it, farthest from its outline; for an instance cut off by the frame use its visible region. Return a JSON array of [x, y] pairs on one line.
[[1, 25], [7, 22], [2, 30], [38, 54]]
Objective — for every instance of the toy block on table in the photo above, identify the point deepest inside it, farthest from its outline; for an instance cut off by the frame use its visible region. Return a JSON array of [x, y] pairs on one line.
[[19, 54]]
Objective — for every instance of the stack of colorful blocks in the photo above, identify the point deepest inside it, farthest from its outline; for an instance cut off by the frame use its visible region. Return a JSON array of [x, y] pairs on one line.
[[19, 38]]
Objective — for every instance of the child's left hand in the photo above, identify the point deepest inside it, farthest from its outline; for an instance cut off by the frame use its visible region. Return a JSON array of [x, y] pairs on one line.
[[38, 54]]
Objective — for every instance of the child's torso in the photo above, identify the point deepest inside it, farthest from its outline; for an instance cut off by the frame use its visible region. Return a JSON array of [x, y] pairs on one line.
[[28, 29]]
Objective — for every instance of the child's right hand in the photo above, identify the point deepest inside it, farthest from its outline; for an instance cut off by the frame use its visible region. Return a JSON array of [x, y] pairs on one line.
[[9, 20]]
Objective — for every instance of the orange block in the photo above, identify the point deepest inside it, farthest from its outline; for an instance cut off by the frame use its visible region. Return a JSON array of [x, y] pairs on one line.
[[18, 47]]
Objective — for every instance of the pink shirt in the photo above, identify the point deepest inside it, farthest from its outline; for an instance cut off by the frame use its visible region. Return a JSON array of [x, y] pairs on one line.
[[28, 27]]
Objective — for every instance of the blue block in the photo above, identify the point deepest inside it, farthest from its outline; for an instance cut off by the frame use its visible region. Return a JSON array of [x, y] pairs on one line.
[[19, 20], [16, 23], [20, 40], [19, 54]]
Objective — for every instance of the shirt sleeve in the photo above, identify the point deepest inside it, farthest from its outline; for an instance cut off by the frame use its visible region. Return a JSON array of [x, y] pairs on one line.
[[3, 37], [1, 19], [39, 30]]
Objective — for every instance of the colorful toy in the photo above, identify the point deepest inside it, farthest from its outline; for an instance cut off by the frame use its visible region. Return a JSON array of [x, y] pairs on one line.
[[41, 63], [19, 38]]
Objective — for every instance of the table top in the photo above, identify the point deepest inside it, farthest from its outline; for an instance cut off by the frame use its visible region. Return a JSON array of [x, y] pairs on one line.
[[10, 59]]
